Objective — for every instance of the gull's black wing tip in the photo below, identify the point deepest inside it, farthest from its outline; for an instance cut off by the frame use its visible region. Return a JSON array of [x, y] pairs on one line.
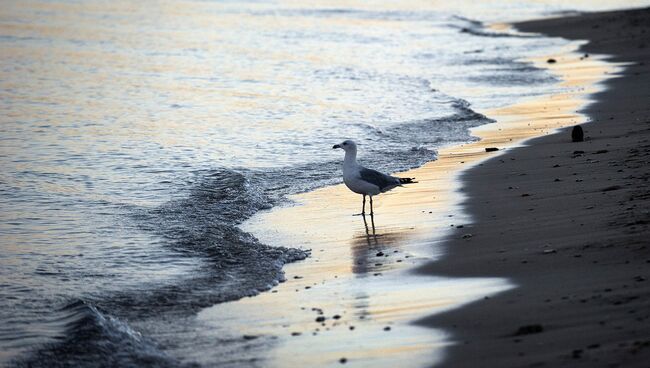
[[407, 180]]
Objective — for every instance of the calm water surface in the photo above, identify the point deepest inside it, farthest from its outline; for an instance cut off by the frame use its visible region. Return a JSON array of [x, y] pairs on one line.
[[136, 136]]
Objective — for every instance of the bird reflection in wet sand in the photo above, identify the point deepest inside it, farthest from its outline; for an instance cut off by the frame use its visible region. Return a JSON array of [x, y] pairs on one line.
[[374, 252], [372, 222]]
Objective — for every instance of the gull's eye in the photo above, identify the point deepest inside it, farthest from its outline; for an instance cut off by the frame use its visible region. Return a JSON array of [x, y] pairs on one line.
[[345, 143]]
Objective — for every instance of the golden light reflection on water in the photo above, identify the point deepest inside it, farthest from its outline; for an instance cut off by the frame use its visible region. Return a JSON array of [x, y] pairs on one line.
[[144, 65]]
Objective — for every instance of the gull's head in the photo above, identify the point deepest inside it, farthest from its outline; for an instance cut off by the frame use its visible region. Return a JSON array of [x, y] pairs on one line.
[[347, 146]]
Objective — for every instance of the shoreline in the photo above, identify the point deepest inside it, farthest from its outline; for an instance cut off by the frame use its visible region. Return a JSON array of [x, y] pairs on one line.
[[364, 274], [150, 278], [567, 222]]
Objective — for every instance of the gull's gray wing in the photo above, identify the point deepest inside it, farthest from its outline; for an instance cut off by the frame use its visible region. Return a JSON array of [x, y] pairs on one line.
[[383, 181]]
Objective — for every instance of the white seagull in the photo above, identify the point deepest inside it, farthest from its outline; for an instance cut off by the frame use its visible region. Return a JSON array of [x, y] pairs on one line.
[[365, 181]]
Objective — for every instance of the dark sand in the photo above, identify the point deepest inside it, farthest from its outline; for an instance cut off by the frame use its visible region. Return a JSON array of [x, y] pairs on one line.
[[570, 229]]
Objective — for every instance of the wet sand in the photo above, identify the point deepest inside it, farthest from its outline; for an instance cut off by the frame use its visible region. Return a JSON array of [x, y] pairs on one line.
[[567, 223], [355, 300]]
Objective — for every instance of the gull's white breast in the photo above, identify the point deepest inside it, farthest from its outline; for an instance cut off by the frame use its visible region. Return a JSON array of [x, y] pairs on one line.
[[353, 181]]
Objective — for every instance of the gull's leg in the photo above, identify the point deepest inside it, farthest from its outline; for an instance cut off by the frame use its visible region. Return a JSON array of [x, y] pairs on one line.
[[365, 224], [371, 211]]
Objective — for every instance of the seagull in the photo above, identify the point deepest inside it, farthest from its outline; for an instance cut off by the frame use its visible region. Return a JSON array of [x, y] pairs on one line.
[[365, 181]]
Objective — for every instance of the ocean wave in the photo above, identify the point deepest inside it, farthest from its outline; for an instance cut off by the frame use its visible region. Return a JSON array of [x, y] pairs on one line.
[[503, 71], [393, 15], [204, 225], [477, 28], [201, 226], [440, 131], [92, 338]]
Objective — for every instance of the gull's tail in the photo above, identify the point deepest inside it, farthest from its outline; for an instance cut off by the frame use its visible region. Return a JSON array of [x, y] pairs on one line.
[[407, 181]]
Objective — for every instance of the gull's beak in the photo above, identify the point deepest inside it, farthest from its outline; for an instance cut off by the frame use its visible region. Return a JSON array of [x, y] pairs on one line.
[[336, 146]]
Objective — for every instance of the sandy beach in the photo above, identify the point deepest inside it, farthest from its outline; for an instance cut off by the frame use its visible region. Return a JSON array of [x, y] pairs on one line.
[[546, 252], [567, 223]]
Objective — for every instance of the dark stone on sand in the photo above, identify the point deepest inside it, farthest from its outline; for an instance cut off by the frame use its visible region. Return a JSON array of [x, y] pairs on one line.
[[491, 149], [296, 334], [551, 61], [577, 134], [320, 319], [336, 316], [343, 360], [250, 337], [379, 254], [529, 329], [387, 328], [578, 152], [601, 151]]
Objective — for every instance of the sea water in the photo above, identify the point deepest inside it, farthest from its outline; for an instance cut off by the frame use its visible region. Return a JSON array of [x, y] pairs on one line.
[[136, 136]]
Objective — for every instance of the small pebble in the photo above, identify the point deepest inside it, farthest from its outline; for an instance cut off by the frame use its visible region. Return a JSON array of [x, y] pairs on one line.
[[529, 329]]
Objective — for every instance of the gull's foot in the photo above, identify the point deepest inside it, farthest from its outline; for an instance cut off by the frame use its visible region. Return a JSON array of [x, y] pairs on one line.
[[359, 214]]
